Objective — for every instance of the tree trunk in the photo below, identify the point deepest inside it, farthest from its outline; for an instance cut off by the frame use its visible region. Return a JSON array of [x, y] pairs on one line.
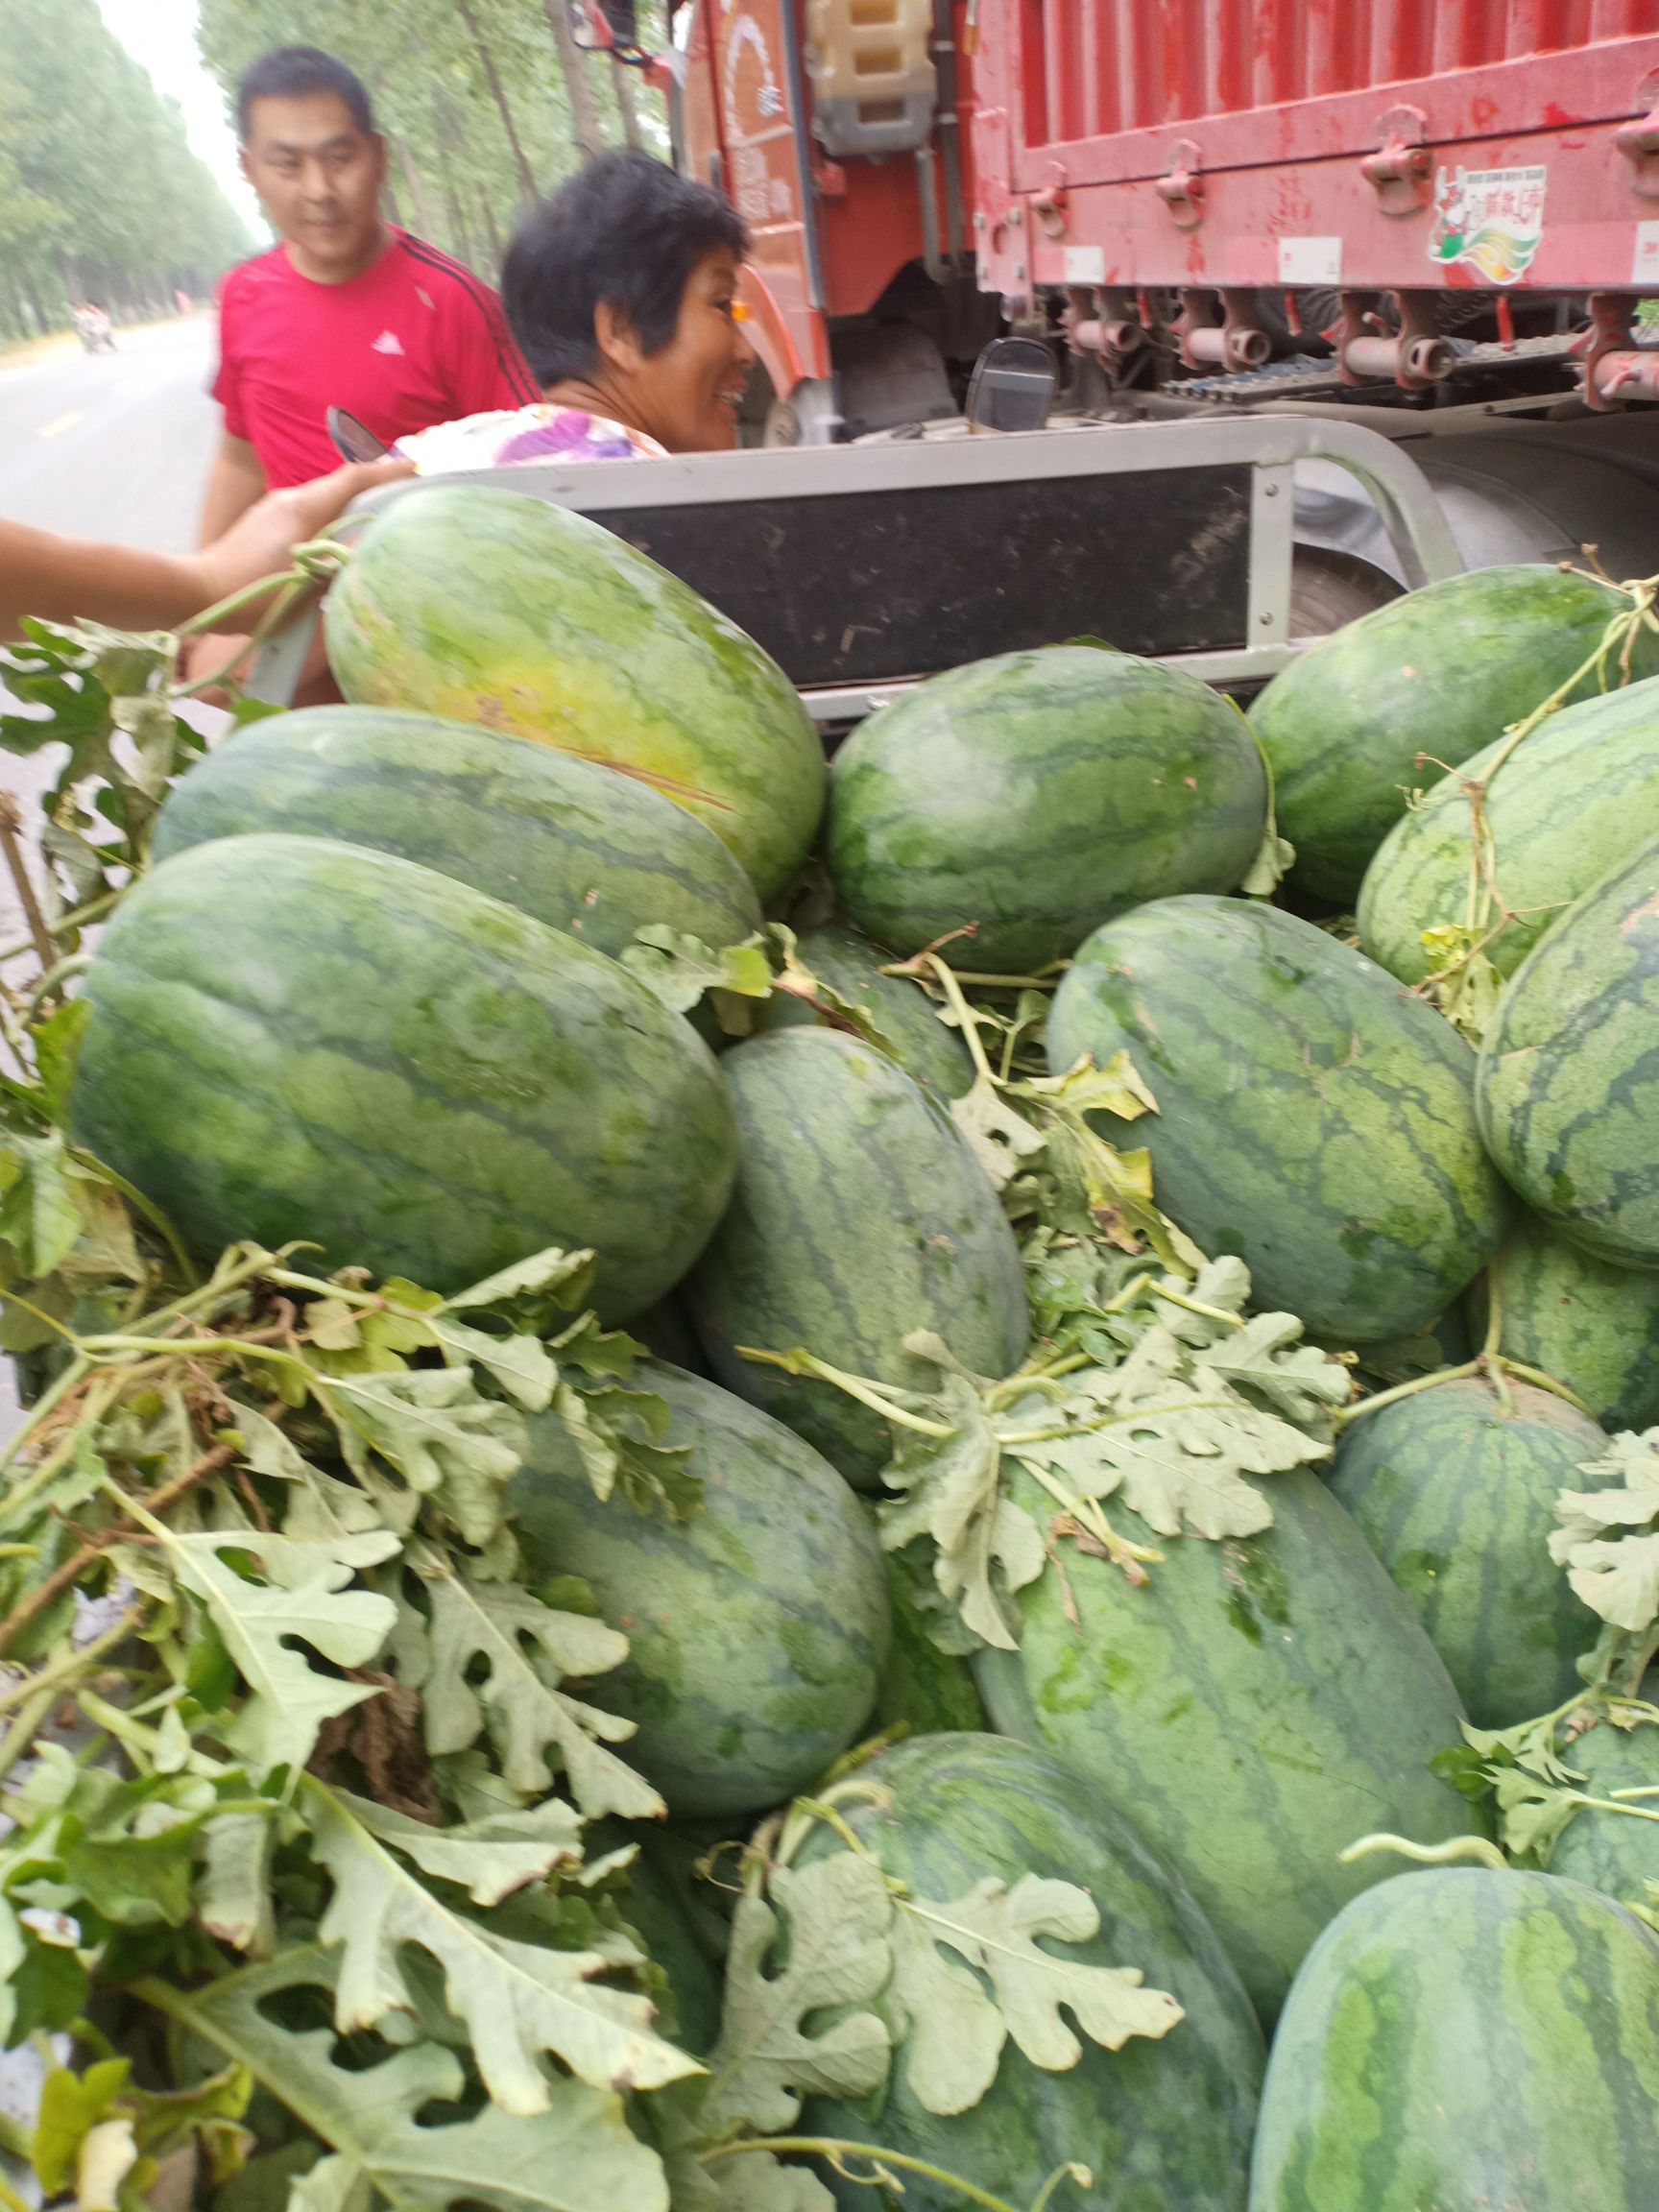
[[622, 78], [444, 130], [584, 124], [416, 185], [496, 248], [498, 93]]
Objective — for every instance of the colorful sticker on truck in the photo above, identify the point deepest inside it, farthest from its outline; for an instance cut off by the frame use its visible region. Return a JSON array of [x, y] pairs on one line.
[[1489, 220]]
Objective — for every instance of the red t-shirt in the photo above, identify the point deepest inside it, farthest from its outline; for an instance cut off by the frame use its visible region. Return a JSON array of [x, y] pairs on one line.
[[416, 339]]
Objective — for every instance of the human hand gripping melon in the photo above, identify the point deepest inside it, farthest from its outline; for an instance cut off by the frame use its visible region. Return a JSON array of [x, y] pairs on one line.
[[1385, 706], [488, 606], [294, 1038], [1035, 795]]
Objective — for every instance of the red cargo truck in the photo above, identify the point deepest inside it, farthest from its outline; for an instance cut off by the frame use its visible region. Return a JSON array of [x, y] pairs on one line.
[[1202, 181]]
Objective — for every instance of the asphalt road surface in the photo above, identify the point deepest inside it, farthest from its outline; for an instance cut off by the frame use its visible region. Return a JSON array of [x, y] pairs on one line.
[[112, 445]]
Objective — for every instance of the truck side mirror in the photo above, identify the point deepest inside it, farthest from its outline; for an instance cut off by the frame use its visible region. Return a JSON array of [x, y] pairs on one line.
[[1012, 386]]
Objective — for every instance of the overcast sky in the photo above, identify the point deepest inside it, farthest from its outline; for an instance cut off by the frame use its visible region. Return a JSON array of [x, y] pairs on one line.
[[161, 35]]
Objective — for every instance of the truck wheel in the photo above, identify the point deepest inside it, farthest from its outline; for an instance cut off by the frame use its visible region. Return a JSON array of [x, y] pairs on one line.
[[1329, 589], [809, 416]]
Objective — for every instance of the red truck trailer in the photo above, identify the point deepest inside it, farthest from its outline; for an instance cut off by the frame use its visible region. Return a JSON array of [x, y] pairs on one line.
[[1197, 182]]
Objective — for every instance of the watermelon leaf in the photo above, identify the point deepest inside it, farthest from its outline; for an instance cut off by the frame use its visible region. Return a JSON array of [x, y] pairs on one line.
[[575, 2155], [1619, 1580], [985, 1547], [680, 968], [959, 2027], [499, 1626], [430, 1423], [516, 2000], [303, 1595], [837, 1912]]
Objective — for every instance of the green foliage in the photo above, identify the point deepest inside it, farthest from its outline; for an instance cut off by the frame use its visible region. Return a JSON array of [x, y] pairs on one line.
[[77, 113], [454, 176]]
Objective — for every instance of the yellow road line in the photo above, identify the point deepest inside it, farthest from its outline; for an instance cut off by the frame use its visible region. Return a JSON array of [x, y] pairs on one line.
[[60, 423]]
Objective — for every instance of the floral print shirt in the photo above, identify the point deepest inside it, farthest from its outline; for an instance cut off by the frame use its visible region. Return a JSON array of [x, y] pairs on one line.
[[510, 436]]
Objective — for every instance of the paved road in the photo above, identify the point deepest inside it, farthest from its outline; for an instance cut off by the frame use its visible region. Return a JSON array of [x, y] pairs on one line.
[[112, 445]]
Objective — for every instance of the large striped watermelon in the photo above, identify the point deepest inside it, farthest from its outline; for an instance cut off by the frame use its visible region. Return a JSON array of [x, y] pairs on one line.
[[1257, 1707], [756, 1629], [1567, 1085], [1163, 2126], [578, 846], [1387, 705], [291, 1038], [1615, 1852], [1314, 1118], [1464, 2040], [488, 606], [929, 1053], [1574, 801], [859, 1215], [1033, 795], [1590, 1324], [1455, 1494]]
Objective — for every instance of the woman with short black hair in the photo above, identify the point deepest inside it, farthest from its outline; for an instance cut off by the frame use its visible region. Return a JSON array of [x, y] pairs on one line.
[[622, 293]]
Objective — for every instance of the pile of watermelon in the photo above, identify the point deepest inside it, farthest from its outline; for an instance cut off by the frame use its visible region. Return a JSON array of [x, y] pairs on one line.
[[384, 987]]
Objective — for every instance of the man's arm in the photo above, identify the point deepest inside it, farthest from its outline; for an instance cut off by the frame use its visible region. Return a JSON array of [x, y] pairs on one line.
[[60, 579], [235, 482]]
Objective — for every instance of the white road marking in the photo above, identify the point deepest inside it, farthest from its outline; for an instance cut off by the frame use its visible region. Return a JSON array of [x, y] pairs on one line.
[[62, 422]]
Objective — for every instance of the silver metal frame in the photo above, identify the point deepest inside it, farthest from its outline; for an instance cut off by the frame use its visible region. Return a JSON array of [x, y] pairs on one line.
[[1270, 446]]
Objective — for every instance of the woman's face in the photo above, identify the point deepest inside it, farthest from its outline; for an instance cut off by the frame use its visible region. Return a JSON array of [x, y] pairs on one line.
[[687, 393]]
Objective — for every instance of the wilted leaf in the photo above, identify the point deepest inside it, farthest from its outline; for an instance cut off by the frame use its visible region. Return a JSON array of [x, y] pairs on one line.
[[38, 1216], [450, 1444], [304, 1596], [576, 2155], [837, 1912], [953, 1494], [679, 968], [999, 1134], [489, 1858], [994, 1928], [233, 1899], [518, 2000], [495, 1626]]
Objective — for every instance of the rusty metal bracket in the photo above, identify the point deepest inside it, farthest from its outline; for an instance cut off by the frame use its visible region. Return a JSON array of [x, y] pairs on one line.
[[1181, 187], [1415, 355], [1049, 201], [1614, 369], [1401, 170], [1232, 342]]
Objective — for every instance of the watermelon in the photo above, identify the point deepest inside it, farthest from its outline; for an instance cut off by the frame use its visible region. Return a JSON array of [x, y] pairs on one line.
[[1165, 2125], [577, 846], [1590, 1324], [1388, 703], [1033, 795], [929, 1053], [923, 1689], [1455, 1495], [1258, 1707], [756, 1629], [1315, 1119], [1574, 801], [859, 1215], [656, 1908], [1568, 1086], [291, 1038], [488, 606], [1465, 2040], [1614, 1852]]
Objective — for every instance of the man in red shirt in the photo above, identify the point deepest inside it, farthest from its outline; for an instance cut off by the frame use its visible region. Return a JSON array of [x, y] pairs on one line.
[[347, 311]]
